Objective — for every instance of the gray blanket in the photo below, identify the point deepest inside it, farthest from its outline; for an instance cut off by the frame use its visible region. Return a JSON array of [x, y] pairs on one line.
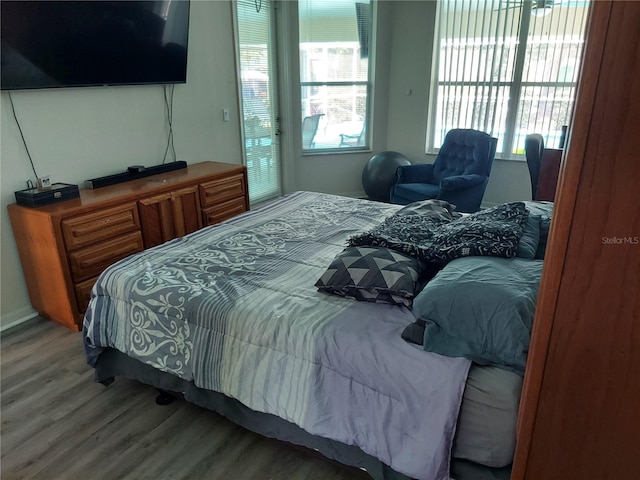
[[234, 309], [439, 235]]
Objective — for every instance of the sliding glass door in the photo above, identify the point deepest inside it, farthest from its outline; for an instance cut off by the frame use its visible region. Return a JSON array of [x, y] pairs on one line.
[[255, 37]]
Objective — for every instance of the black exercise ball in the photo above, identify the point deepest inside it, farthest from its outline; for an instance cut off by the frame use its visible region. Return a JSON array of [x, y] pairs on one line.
[[379, 174]]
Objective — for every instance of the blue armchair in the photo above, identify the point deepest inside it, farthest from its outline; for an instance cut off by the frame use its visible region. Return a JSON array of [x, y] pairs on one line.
[[459, 174]]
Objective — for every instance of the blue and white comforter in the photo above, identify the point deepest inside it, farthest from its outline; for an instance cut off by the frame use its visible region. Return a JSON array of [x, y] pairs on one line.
[[234, 309]]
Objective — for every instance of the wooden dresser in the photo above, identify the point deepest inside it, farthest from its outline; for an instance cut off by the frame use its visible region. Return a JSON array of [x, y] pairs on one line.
[[63, 247]]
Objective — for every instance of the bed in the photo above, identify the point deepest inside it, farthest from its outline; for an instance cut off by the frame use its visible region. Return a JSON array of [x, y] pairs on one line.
[[231, 317]]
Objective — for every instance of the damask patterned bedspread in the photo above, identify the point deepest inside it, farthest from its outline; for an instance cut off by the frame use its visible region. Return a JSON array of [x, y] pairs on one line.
[[234, 309]]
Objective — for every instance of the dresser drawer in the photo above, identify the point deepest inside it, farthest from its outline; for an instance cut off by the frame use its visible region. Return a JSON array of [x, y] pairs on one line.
[[217, 191], [83, 293], [100, 225], [223, 211], [91, 261]]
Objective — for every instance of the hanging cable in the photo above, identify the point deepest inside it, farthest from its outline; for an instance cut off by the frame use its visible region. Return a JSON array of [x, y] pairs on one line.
[[13, 109], [168, 103], [173, 147], [258, 4]]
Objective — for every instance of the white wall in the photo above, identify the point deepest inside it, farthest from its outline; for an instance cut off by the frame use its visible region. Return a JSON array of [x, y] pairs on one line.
[[77, 134], [410, 71]]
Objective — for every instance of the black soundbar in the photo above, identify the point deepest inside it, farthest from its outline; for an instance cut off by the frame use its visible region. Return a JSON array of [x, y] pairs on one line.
[[133, 173]]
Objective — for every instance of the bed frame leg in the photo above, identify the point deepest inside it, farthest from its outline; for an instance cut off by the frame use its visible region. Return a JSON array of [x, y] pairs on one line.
[[107, 381], [164, 397]]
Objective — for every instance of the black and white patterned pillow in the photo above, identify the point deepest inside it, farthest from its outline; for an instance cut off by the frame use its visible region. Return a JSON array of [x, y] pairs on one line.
[[372, 274]]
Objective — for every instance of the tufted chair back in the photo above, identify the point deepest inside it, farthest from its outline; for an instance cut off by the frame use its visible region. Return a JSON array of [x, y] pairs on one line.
[[464, 152]]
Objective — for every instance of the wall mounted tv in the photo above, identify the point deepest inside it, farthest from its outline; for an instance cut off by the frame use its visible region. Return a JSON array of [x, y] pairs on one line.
[[48, 44]]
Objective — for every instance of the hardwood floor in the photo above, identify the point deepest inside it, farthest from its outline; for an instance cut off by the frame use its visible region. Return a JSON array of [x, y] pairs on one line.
[[57, 423]]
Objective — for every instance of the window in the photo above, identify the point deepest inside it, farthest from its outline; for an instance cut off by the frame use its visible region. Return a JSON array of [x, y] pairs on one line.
[[506, 67], [334, 73]]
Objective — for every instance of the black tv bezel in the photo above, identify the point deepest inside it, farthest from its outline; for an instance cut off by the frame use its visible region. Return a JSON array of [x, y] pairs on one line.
[[108, 84]]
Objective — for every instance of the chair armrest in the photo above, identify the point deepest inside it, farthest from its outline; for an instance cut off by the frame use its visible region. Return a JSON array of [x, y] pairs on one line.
[[459, 182], [420, 173], [346, 135]]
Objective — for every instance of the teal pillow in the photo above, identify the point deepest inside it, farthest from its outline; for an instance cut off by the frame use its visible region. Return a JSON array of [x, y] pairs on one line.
[[545, 210], [545, 224], [481, 308], [528, 243]]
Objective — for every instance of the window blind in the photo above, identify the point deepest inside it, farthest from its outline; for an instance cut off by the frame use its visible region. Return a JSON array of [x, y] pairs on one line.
[[506, 67]]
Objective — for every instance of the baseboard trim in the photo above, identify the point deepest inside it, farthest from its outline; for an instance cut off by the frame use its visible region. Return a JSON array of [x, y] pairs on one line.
[[16, 318]]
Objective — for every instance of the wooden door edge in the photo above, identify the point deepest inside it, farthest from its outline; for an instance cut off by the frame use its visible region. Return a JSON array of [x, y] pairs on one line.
[[561, 223]]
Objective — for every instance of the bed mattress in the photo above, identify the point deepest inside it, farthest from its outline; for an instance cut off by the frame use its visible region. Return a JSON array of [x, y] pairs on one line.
[[486, 432]]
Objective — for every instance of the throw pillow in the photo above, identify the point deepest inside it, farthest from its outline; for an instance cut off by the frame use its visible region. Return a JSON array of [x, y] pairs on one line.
[[372, 274], [528, 244], [545, 210], [480, 308]]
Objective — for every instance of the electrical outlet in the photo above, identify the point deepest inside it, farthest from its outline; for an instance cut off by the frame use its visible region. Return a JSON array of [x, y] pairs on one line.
[[225, 114], [44, 183]]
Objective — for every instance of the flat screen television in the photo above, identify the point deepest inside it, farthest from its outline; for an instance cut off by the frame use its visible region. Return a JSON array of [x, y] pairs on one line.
[[49, 44]]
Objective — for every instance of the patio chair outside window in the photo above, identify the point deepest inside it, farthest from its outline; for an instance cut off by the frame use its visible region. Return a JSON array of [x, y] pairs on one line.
[[357, 140], [309, 130]]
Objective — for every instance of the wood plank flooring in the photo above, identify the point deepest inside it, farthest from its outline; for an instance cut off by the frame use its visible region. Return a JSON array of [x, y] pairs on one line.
[[57, 423]]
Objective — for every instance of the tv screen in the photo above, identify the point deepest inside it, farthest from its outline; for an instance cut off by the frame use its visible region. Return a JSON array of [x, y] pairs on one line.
[[48, 44]]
